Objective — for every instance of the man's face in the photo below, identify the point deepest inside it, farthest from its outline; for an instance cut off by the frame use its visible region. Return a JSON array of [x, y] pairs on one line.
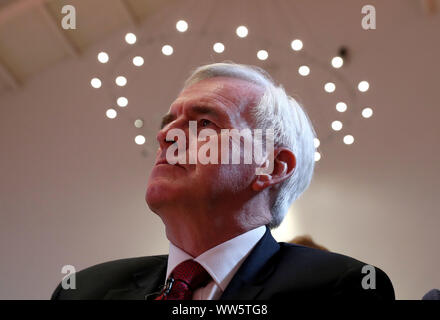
[[215, 103]]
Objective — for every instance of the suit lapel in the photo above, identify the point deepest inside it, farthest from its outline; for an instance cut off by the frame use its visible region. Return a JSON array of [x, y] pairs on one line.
[[144, 285], [247, 282]]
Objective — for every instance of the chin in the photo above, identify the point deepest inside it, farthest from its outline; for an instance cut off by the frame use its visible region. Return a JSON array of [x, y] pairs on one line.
[[159, 193]]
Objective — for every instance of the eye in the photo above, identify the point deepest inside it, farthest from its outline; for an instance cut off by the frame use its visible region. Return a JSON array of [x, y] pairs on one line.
[[205, 122]]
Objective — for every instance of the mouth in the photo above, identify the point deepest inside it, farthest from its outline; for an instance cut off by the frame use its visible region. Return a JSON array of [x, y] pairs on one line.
[[165, 162]]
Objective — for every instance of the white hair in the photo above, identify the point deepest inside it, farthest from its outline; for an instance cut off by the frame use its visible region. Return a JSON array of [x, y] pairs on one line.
[[282, 113]]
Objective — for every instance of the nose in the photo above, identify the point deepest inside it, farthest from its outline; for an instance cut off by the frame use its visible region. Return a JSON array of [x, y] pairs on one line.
[[162, 138], [162, 134]]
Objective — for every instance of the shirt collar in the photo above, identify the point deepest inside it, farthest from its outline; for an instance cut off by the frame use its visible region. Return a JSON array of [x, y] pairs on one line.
[[223, 260]]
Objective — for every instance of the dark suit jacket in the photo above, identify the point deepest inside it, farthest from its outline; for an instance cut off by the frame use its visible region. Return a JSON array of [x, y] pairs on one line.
[[271, 271]]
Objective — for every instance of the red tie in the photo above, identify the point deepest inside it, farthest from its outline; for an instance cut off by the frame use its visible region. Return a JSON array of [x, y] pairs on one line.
[[184, 280]]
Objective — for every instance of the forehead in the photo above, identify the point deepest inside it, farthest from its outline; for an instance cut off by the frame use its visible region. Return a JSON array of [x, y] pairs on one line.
[[236, 95]]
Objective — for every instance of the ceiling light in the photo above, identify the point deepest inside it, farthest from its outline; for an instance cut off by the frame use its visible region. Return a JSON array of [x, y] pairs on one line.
[[130, 38], [341, 106], [336, 125], [304, 71], [138, 61], [242, 31], [121, 81], [138, 123], [96, 83], [317, 156], [337, 62], [348, 139], [367, 112], [262, 54], [316, 142], [111, 113], [167, 50], [139, 139], [329, 87], [363, 86], [103, 57], [181, 26], [122, 101], [218, 47], [296, 44]]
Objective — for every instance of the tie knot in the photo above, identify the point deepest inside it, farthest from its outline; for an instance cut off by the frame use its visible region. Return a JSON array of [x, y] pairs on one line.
[[192, 273], [187, 277]]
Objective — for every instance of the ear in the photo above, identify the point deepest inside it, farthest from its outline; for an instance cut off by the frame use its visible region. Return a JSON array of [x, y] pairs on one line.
[[283, 167]]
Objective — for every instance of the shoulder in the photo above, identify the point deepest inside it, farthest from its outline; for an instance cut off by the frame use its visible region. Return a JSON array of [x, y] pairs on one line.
[[331, 274], [94, 282]]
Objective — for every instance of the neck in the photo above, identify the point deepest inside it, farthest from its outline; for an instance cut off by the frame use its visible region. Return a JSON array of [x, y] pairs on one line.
[[196, 231]]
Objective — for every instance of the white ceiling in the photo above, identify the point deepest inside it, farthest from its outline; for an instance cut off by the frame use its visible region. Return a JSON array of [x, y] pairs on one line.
[[71, 178]]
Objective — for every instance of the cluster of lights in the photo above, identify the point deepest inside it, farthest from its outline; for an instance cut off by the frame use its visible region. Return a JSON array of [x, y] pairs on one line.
[[218, 47]]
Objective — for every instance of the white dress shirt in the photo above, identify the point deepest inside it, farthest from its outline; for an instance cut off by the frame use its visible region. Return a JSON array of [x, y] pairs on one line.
[[221, 261]]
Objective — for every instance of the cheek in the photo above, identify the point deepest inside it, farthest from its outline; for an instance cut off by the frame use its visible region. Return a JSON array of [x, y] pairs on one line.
[[226, 178], [219, 178]]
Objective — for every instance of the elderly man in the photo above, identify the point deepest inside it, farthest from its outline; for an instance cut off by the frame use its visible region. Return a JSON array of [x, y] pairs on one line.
[[218, 214]]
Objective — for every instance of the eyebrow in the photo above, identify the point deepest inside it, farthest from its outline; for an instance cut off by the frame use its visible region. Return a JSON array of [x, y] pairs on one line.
[[201, 110], [166, 119]]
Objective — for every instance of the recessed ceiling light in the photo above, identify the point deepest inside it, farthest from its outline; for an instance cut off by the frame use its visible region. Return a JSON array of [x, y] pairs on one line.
[[122, 101], [96, 83], [336, 125], [139, 139], [181, 26], [121, 81], [138, 123], [111, 113], [242, 31], [304, 71], [317, 156], [167, 50], [367, 112], [329, 87], [103, 57], [130, 38], [138, 61], [296, 44], [348, 139], [218, 47], [316, 142], [341, 106], [337, 62], [262, 55], [363, 86]]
